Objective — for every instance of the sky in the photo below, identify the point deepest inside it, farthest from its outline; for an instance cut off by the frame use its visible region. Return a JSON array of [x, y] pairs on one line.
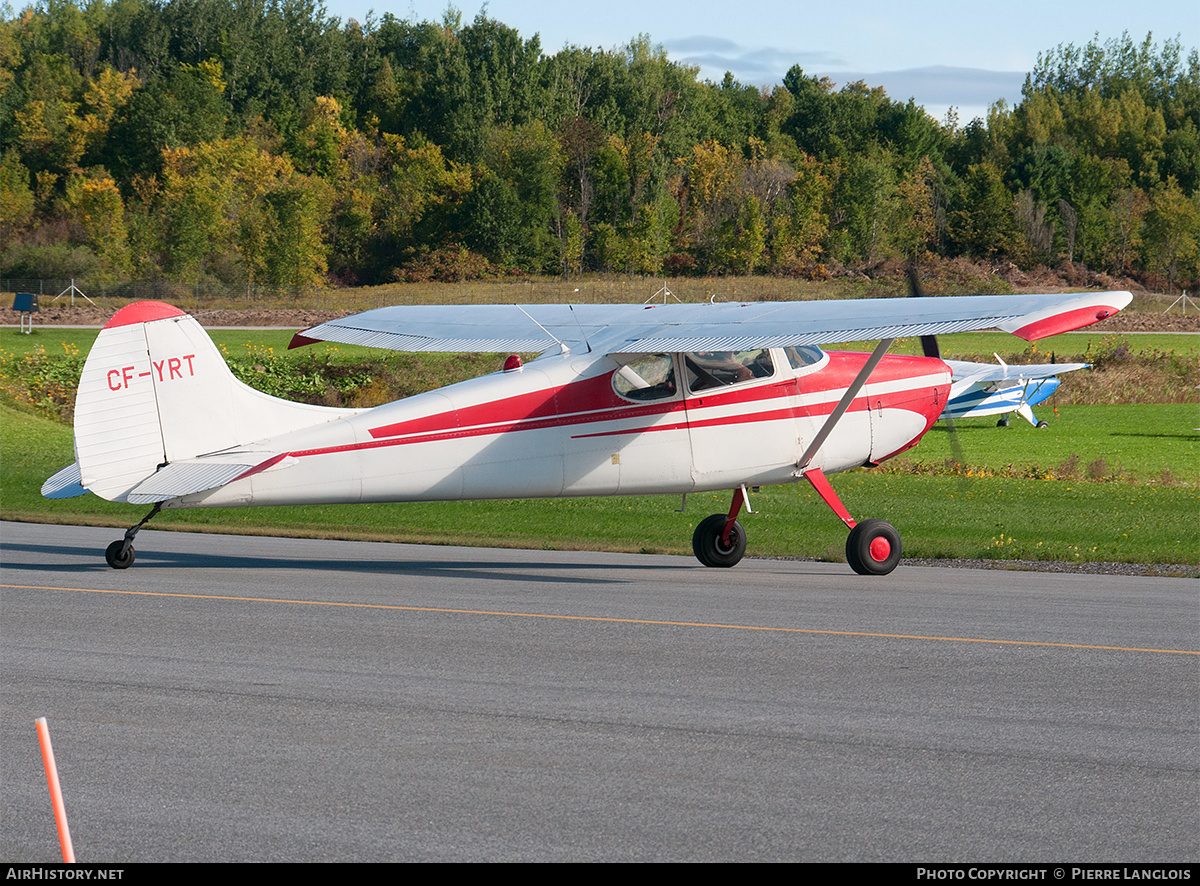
[[941, 53]]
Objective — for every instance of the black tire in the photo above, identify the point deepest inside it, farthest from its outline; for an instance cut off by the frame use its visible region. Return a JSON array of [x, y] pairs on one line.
[[707, 544], [1002, 423], [112, 555], [1042, 424], [873, 547]]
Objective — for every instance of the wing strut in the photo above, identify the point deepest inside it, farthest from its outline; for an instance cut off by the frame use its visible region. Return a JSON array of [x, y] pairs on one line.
[[844, 403], [565, 349]]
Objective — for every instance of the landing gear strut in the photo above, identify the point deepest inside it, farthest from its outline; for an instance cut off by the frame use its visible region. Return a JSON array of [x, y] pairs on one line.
[[120, 554], [873, 547]]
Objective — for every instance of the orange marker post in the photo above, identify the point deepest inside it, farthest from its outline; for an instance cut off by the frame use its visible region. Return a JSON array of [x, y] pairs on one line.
[[56, 800]]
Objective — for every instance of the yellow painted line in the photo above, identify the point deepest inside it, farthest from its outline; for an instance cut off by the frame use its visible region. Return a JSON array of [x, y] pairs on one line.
[[631, 621]]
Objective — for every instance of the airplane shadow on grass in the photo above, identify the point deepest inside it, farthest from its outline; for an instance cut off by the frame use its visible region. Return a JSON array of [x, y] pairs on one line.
[[1191, 436]]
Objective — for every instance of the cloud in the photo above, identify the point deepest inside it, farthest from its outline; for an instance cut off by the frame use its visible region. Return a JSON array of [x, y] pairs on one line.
[[935, 87], [703, 44], [941, 85], [756, 66]]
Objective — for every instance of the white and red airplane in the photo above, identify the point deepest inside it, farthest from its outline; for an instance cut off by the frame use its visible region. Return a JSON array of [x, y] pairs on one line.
[[625, 400]]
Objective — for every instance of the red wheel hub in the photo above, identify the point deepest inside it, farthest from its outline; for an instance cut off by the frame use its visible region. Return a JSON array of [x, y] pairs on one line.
[[880, 549]]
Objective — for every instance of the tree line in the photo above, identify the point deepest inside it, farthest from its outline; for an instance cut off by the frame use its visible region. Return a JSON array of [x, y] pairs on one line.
[[264, 142]]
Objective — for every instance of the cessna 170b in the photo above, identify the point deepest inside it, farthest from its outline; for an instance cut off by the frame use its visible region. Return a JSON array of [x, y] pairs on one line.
[[625, 400]]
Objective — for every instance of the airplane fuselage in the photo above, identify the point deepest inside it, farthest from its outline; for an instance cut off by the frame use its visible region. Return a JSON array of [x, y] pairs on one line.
[[573, 425]]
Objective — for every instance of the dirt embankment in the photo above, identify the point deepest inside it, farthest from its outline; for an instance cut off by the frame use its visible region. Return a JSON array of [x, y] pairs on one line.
[[86, 315]]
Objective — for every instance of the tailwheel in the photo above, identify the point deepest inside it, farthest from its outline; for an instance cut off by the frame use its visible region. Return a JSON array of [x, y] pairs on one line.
[[119, 555], [873, 547], [711, 549]]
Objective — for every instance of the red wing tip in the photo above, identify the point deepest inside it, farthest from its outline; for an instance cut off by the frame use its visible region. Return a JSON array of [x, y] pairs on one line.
[[143, 312], [1065, 322], [299, 340]]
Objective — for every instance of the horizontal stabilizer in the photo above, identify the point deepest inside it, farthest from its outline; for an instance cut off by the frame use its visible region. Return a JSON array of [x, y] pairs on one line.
[[65, 484], [193, 475]]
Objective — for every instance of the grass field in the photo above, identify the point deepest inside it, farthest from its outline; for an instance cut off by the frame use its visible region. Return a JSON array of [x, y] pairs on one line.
[[965, 345], [612, 288], [1136, 519]]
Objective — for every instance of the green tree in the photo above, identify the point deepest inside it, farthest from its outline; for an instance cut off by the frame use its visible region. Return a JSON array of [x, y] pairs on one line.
[[1172, 233], [983, 224], [295, 253], [16, 197], [93, 208]]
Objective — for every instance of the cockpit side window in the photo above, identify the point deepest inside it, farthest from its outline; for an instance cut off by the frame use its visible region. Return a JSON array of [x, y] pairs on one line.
[[805, 355], [714, 369], [646, 377]]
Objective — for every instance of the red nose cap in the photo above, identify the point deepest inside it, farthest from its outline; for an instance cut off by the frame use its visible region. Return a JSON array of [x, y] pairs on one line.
[[512, 363]]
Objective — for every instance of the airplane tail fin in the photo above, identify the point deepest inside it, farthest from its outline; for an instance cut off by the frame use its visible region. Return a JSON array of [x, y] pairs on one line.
[[154, 392]]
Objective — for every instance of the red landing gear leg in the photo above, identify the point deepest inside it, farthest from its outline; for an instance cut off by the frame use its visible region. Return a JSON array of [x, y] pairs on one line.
[[719, 540], [873, 547]]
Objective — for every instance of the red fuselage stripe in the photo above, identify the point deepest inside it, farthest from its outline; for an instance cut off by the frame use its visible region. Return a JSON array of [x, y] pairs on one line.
[[593, 401], [891, 400]]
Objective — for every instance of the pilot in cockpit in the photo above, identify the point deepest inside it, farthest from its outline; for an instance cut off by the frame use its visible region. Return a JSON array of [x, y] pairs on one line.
[[711, 369]]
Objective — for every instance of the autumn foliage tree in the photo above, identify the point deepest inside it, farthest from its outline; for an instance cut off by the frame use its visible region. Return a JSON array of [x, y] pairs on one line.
[[269, 144]]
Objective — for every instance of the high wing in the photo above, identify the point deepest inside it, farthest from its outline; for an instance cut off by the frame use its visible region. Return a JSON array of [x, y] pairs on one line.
[[713, 327]]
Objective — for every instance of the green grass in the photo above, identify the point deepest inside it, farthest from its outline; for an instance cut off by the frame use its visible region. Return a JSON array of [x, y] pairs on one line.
[[1142, 442], [982, 346], [938, 516], [963, 345]]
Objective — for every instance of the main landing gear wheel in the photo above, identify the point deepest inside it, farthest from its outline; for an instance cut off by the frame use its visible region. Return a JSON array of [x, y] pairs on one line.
[[707, 544], [118, 556], [1041, 424], [873, 547]]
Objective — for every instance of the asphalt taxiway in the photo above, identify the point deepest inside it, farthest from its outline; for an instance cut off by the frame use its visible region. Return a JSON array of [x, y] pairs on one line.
[[238, 698]]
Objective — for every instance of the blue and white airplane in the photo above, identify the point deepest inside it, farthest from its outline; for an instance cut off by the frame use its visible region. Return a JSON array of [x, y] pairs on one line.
[[983, 389]]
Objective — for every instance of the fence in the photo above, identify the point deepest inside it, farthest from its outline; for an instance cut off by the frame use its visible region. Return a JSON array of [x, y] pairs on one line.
[[49, 289], [513, 290]]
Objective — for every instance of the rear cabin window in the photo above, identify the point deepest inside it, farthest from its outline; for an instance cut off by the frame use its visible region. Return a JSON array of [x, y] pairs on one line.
[[716, 369], [646, 377]]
